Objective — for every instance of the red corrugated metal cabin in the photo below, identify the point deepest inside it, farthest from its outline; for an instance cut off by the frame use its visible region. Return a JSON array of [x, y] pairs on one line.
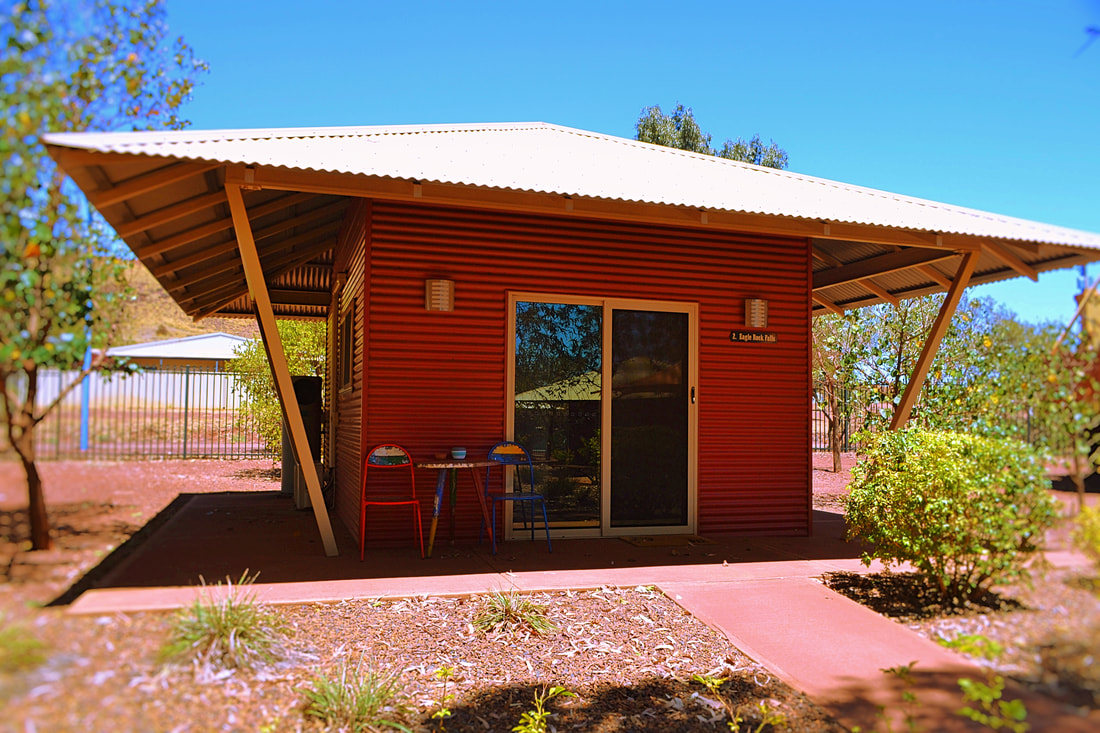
[[600, 296], [732, 426]]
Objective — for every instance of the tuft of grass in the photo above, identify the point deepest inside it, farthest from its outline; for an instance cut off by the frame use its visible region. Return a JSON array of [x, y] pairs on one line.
[[227, 629], [500, 610], [763, 713], [535, 719], [19, 649], [357, 701]]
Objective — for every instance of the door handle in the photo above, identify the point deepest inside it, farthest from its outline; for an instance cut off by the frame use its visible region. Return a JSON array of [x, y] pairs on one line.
[[693, 395]]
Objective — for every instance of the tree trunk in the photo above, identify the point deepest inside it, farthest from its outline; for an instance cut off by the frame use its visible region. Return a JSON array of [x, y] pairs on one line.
[[833, 417], [23, 443], [36, 508], [836, 428]]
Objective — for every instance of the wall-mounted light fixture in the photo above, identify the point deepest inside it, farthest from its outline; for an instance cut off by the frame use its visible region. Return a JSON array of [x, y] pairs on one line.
[[439, 295], [756, 313]]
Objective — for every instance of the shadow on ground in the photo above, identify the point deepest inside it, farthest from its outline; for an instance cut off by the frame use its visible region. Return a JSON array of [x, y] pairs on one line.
[[211, 536]]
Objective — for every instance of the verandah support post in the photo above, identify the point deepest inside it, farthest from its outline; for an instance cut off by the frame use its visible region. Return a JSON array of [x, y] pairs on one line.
[[276, 357], [932, 343]]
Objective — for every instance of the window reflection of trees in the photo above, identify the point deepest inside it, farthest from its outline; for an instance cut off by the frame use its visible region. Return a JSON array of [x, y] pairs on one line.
[[557, 413]]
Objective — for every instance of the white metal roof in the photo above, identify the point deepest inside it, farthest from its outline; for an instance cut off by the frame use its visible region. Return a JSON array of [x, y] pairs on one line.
[[543, 158], [218, 346]]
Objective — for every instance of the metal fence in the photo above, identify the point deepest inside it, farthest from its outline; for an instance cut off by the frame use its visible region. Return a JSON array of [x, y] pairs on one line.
[[866, 408], [860, 409], [158, 413]]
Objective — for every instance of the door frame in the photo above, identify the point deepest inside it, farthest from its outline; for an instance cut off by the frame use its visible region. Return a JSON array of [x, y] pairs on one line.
[[609, 304]]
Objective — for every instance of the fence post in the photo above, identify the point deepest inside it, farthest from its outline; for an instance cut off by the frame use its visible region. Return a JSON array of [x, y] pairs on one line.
[[84, 397], [186, 409]]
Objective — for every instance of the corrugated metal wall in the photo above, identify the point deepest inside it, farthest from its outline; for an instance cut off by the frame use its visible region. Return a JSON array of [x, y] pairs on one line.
[[438, 379], [350, 399]]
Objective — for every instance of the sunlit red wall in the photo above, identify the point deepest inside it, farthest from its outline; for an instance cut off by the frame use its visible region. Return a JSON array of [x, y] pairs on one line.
[[434, 380]]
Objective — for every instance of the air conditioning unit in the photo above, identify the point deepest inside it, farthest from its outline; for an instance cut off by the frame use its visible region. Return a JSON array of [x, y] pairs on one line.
[[301, 491]]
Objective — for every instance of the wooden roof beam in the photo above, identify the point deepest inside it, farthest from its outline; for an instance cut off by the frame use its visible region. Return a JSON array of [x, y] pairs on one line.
[[170, 213], [938, 277], [825, 257], [870, 285], [867, 284], [1008, 257], [300, 297], [228, 288], [146, 182], [196, 233], [276, 358], [932, 342], [321, 212], [827, 304], [903, 259], [288, 246], [274, 264], [208, 253]]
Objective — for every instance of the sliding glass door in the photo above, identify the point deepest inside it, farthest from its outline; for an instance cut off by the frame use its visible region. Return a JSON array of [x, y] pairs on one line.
[[615, 461], [649, 406]]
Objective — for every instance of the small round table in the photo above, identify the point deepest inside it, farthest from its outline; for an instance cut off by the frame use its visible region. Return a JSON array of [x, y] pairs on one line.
[[449, 467]]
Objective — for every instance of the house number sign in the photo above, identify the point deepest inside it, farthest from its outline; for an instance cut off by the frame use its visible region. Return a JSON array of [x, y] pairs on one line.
[[754, 337]]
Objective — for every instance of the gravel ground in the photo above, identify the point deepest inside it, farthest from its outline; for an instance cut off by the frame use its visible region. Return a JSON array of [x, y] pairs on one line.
[[628, 654]]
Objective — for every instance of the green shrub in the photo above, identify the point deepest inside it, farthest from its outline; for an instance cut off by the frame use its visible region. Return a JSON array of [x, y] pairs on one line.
[[965, 511], [1086, 533]]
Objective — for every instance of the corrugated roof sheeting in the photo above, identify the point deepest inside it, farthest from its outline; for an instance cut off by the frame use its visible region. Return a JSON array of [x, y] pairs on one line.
[[528, 157]]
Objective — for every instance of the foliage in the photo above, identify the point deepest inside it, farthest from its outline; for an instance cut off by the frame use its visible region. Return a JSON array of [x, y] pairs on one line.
[[680, 130], [305, 347], [974, 645], [511, 609], [445, 674], [1086, 532], [356, 701], [72, 66], [992, 711], [226, 629], [534, 721], [767, 716], [19, 649], [991, 376], [966, 511], [836, 347]]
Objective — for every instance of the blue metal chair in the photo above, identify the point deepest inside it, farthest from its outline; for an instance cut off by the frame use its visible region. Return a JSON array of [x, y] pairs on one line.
[[507, 454], [388, 456]]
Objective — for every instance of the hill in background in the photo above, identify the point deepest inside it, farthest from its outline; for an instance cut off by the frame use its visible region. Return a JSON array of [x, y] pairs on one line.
[[153, 316]]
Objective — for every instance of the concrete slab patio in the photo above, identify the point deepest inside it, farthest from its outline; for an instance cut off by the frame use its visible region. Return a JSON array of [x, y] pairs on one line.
[[762, 593]]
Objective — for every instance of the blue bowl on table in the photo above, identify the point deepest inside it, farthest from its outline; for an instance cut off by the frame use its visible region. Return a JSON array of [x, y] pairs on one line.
[[458, 453]]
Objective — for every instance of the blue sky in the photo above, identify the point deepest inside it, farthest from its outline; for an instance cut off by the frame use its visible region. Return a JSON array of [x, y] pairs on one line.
[[985, 103]]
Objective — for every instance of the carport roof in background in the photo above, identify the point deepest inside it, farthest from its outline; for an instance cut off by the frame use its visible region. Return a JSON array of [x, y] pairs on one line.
[[529, 157]]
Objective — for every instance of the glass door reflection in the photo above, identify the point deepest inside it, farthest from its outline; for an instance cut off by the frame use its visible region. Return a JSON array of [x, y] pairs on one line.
[[558, 366], [649, 418]]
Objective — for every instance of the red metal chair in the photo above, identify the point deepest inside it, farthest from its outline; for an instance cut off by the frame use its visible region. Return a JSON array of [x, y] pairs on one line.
[[388, 456], [507, 454]]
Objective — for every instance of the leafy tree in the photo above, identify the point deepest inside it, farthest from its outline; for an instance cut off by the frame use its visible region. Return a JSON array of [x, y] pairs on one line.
[[680, 130], [97, 65], [304, 343], [838, 346]]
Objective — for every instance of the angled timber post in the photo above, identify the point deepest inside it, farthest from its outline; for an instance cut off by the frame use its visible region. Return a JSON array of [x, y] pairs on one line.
[[276, 357], [932, 343]]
